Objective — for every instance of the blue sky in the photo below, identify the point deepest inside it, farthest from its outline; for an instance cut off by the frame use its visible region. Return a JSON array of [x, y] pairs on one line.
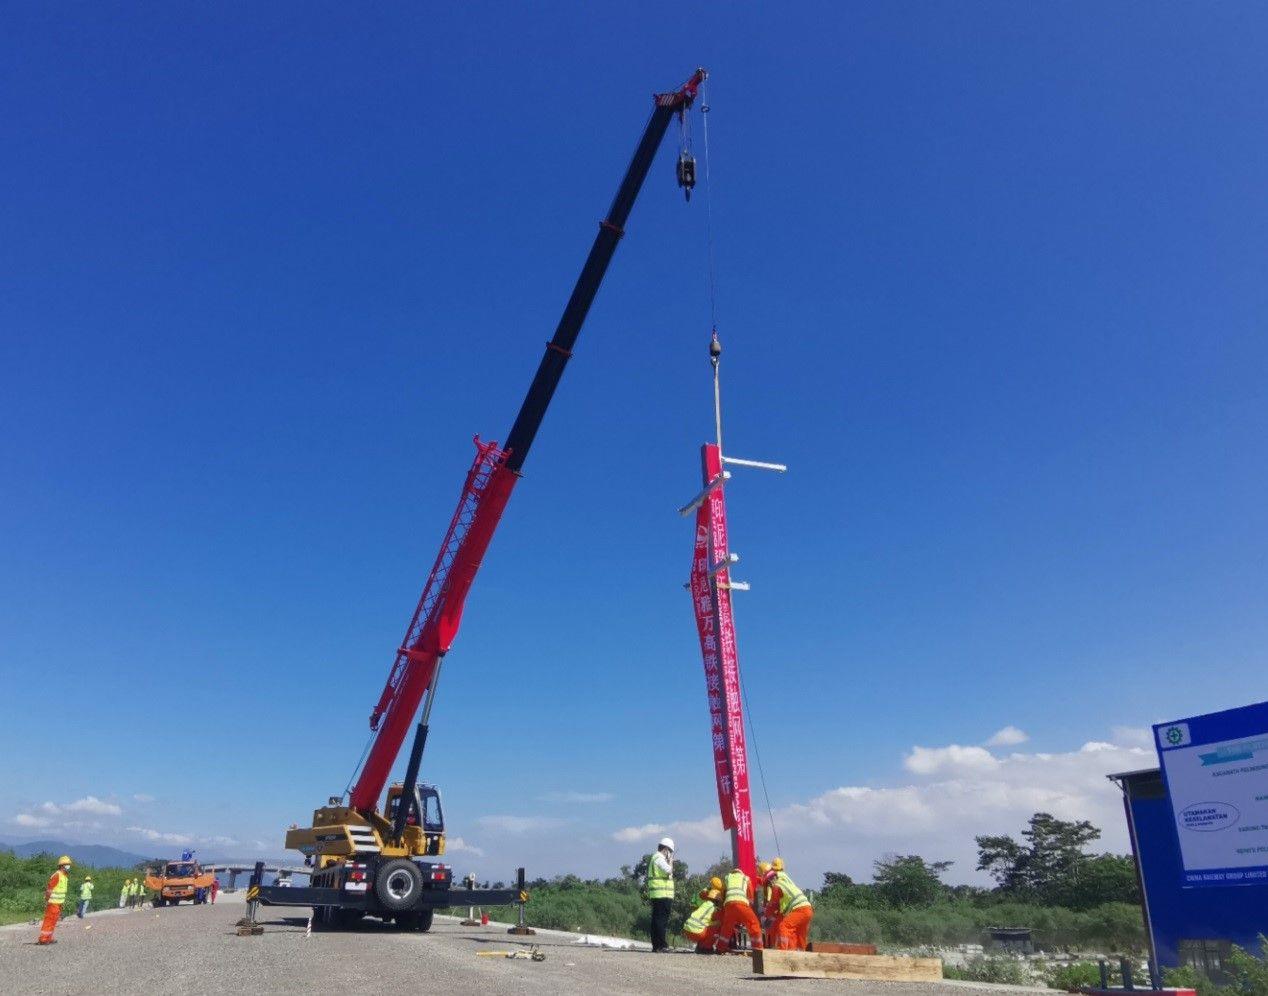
[[990, 282]]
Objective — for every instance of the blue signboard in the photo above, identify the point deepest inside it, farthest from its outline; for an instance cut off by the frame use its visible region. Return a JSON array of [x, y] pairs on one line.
[[1216, 769]]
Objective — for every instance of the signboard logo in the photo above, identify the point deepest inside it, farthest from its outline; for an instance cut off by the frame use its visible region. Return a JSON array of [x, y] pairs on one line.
[[1207, 817], [1175, 735]]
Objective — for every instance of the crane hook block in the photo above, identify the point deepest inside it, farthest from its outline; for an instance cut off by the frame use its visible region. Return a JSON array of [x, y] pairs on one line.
[[686, 172]]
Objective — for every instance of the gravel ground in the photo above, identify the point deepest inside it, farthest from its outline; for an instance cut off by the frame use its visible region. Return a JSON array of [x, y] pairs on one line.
[[194, 949]]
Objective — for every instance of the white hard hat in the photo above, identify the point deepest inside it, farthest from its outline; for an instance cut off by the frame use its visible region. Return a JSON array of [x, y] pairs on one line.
[[666, 842]]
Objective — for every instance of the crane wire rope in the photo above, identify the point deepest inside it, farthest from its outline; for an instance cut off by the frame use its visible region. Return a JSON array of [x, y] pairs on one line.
[[352, 777], [717, 414]]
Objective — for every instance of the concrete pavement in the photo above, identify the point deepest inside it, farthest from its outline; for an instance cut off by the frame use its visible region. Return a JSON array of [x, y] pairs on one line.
[[194, 949]]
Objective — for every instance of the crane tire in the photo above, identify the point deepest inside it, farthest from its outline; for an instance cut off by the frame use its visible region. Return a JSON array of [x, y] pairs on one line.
[[398, 885]]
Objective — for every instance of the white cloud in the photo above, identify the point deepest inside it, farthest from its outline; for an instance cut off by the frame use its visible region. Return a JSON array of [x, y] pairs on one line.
[[222, 841], [955, 793], [571, 796], [142, 797], [456, 845], [91, 804], [160, 836], [519, 824], [707, 831], [949, 759], [1009, 736], [30, 821]]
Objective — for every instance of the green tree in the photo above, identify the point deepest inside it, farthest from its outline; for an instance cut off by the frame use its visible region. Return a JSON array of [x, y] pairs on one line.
[[1050, 864], [906, 880]]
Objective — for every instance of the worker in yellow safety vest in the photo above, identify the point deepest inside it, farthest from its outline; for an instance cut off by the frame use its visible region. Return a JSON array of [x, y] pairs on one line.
[[54, 897], [737, 911], [660, 890], [701, 928], [788, 909], [138, 889], [85, 897]]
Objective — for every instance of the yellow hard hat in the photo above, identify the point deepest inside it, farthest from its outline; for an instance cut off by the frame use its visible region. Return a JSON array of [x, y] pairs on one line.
[[715, 882], [64, 860], [778, 864], [87, 878], [763, 867]]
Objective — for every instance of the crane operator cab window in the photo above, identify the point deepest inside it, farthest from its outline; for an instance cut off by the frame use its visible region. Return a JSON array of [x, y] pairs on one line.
[[426, 803]]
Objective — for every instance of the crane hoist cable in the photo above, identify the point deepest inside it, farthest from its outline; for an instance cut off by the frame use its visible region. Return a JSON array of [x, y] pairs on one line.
[[715, 351]]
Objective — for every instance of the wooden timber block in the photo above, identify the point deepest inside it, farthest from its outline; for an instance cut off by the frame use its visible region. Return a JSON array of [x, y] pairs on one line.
[[818, 965], [841, 947]]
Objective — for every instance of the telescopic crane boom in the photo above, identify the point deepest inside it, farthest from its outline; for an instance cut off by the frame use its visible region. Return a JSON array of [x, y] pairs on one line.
[[491, 479]]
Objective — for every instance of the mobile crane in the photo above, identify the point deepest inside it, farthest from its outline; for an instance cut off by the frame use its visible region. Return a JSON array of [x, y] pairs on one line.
[[368, 861]]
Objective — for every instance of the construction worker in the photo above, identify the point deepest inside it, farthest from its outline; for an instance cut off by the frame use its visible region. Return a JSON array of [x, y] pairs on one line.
[[701, 927], [85, 897], [769, 918], [788, 908], [660, 890], [54, 896], [215, 890], [139, 888], [125, 892], [737, 911]]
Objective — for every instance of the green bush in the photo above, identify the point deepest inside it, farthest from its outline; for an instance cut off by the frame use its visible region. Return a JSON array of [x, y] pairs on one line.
[[983, 969], [1072, 978]]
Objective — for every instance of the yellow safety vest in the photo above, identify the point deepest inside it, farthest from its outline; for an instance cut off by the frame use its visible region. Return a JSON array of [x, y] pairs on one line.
[[660, 884], [700, 919], [85, 891], [736, 888], [790, 897], [57, 895]]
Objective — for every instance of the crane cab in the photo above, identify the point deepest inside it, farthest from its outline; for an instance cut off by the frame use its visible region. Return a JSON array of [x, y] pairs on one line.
[[424, 832]]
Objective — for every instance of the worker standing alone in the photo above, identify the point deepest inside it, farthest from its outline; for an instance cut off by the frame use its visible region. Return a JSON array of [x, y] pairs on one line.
[[660, 890], [737, 911], [54, 896], [790, 908], [85, 897], [215, 890]]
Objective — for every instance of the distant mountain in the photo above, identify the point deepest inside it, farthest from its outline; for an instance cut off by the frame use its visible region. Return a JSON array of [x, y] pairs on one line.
[[94, 855]]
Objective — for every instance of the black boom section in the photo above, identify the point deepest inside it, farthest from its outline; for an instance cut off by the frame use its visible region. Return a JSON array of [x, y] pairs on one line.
[[559, 349]]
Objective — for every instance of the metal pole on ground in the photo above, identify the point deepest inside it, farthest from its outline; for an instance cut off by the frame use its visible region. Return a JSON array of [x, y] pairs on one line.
[[247, 926], [521, 927]]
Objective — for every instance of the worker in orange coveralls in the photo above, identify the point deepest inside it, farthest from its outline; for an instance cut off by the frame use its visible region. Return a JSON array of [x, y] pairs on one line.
[[788, 909], [701, 927], [54, 897], [737, 911]]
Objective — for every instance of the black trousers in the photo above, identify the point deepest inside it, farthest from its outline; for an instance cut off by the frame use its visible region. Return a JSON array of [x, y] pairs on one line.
[[660, 922]]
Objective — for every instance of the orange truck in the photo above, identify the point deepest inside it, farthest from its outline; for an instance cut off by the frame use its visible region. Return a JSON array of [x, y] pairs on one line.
[[178, 880]]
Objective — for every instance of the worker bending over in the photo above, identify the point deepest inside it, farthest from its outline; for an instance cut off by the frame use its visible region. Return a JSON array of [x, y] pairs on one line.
[[54, 897], [737, 911], [701, 927], [788, 909], [660, 890]]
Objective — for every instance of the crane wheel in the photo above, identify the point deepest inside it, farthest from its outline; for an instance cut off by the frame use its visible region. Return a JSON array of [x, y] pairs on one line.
[[398, 885]]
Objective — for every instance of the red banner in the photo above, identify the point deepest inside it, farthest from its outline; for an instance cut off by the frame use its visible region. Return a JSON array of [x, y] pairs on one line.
[[711, 598]]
